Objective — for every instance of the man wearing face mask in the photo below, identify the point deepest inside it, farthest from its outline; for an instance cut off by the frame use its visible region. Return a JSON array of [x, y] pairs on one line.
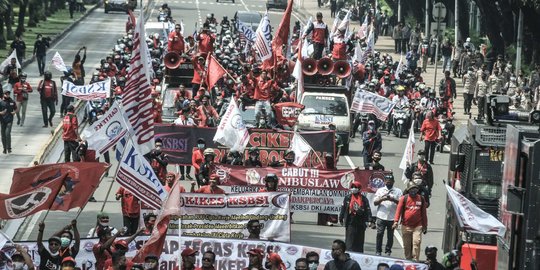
[[412, 213], [66, 238], [341, 259], [375, 162], [254, 229], [21, 259], [255, 259], [372, 141], [431, 258], [50, 259], [423, 167], [206, 167], [355, 214], [312, 259], [287, 161], [423, 188], [253, 159], [197, 158], [158, 161], [386, 199]]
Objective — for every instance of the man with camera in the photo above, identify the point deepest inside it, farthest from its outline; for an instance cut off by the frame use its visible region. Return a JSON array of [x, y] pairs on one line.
[[40, 51]]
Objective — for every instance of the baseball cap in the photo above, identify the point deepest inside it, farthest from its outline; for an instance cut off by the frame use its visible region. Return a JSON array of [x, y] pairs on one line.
[[188, 252]]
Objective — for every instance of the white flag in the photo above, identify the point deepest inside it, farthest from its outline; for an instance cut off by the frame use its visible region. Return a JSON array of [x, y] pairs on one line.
[[4, 239], [473, 219], [135, 174], [301, 149], [232, 131], [58, 63], [263, 43], [399, 68], [107, 130], [357, 53], [344, 24], [7, 61], [408, 153]]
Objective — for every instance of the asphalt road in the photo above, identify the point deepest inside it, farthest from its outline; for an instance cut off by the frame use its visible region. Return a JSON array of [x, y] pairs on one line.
[[90, 33]]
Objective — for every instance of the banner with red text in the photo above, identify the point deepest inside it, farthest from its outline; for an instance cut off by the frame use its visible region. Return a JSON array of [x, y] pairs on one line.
[[311, 189], [230, 254], [226, 215], [179, 141]]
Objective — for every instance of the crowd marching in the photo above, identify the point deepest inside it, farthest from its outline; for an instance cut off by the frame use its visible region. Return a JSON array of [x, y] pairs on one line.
[[227, 68]]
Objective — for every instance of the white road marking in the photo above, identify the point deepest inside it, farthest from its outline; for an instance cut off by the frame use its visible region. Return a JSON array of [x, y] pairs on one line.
[[447, 147], [397, 235]]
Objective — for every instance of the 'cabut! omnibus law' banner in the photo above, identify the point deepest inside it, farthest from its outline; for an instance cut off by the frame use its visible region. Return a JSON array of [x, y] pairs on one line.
[[311, 189], [179, 142], [230, 254], [227, 215]]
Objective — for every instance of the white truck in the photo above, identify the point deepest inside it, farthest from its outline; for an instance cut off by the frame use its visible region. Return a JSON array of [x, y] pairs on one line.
[[325, 105]]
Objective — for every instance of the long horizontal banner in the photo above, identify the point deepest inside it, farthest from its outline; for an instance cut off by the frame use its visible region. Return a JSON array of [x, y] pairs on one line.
[[230, 254], [87, 92], [227, 215], [311, 189], [179, 142]]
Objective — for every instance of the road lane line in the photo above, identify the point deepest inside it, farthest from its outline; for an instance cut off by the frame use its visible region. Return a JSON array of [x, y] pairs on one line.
[[244, 4], [397, 235]]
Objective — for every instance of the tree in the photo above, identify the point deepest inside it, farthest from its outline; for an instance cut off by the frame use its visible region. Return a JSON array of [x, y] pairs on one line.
[[3, 9], [8, 19], [23, 4], [32, 13]]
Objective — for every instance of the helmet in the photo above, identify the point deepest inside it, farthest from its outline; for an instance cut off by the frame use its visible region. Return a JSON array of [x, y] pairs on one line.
[[23, 75], [389, 177], [430, 249], [47, 75], [270, 178], [209, 151], [208, 16], [450, 259], [400, 88], [253, 150]]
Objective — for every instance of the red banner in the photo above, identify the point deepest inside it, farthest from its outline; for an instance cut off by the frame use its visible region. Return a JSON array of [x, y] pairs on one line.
[[179, 142], [312, 190], [82, 178], [287, 113]]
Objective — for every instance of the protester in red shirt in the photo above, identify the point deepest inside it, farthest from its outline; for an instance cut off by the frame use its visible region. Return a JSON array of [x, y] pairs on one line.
[[131, 210], [176, 40], [262, 95], [431, 132], [188, 259], [411, 211], [122, 246], [158, 161], [212, 188], [149, 222], [198, 73], [255, 259], [197, 158], [319, 37], [48, 96], [209, 115], [70, 135], [206, 40], [102, 250], [21, 90]]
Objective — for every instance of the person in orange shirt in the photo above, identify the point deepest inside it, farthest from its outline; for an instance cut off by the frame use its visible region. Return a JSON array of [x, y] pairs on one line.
[[211, 188], [198, 73], [197, 158], [206, 40], [431, 132]]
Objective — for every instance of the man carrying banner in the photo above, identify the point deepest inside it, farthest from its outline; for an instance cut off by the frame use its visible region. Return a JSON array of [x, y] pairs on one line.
[[158, 161]]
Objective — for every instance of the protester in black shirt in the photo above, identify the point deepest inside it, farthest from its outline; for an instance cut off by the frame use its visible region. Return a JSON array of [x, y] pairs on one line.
[[7, 111], [40, 51], [50, 259], [19, 45]]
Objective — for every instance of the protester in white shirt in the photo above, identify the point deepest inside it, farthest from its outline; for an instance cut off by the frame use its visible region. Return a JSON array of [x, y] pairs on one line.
[[386, 200], [184, 119]]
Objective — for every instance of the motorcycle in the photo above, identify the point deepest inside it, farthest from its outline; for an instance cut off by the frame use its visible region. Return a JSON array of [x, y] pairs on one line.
[[447, 130], [360, 121], [401, 119]]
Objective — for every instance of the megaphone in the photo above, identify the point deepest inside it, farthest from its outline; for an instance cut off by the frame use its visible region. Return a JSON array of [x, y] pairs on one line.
[[172, 60], [309, 66], [342, 69], [325, 66]]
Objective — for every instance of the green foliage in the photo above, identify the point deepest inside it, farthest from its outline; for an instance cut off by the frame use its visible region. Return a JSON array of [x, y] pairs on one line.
[[411, 20], [385, 7]]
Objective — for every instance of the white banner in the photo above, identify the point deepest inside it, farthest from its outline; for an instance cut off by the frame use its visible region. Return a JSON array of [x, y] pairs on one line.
[[232, 131], [135, 174], [473, 219], [106, 131], [87, 92], [58, 62], [226, 215], [230, 254], [368, 102], [246, 31], [263, 41], [301, 149], [408, 153], [7, 61]]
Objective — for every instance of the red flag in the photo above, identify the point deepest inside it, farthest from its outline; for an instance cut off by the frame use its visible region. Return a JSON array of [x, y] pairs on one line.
[[282, 34], [82, 179], [287, 113], [32, 199], [171, 207], [214, 71]]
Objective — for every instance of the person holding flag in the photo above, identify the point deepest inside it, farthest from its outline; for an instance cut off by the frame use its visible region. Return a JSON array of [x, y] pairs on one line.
[[78, 66], [12, 71]]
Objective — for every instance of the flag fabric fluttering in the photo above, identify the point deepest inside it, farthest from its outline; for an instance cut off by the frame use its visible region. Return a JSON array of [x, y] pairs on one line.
[[368, 102], [282, 34], [301, 149], [399, 68], [171, 207], [369, 48], [107, 131], [297, 71], [245, 31], [58, 62], [473, 219], [7, 61], [263, 44], [232, 131], [137, 98], [408, 153], [214, 71]]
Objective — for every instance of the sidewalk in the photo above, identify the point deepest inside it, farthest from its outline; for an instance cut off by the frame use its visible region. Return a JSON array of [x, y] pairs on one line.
[[385, 44]]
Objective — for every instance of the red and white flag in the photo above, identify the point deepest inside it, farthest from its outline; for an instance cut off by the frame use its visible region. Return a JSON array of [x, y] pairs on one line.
[[368, 102], [137, 100], [301, 149], [171, 207], [81, 180], [473, 219], [282, 34], [408, 153], [32, 199], [214, 71], [263, 44]]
